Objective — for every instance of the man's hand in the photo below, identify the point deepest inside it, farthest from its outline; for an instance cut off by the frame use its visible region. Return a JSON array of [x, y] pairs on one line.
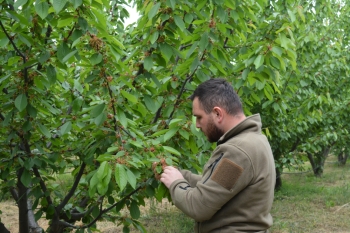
[[169, 175]]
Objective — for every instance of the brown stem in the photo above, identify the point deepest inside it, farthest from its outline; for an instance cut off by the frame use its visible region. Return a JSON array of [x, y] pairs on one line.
[[13, 44], [72, 190], [43, 187]]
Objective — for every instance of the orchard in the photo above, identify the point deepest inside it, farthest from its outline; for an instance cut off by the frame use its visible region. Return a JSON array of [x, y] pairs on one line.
[[84, 94]]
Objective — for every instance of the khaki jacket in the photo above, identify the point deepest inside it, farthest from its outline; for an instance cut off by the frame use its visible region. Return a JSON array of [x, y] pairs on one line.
[[236, 191]]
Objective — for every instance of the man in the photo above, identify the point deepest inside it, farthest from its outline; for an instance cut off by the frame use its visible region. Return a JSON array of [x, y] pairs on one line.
[[236, 190]]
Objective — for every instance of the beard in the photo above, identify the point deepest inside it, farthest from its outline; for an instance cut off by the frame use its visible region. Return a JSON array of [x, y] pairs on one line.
[[213, 133]]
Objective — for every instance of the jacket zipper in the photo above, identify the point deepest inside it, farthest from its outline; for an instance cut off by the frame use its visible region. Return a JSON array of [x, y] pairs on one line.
[[212, 166]]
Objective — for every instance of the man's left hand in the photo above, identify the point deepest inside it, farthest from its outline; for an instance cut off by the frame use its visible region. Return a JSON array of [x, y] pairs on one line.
[[169, 175]]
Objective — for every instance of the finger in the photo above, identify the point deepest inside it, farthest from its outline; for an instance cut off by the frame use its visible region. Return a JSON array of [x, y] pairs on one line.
[[168, 168]]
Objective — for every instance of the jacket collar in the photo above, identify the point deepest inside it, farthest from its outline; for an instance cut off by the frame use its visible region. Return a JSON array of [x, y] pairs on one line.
[[250, 124]]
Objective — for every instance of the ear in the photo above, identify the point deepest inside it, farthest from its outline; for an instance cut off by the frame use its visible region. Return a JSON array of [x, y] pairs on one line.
[[218, 114]]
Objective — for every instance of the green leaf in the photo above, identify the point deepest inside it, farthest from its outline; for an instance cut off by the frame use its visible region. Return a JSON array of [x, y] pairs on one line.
[[77, 3], [179, 22], [128, 96], [44, 56], [42, 9], [26, 178], [259, 60], [170, 134], [120, 176], [69, 55], [43, 130], [25, 39], [122, 117], [171, 150], [51, 74], [131, 178], [66, 127], [78, 86], [154, 37], [300, 12], [167, 51], [291, 15], [161, 191], [134, 210], [277, 50], [203, 43], [194, 64], [184, 134], [102, 170], [153, 11], [268, 94], [102, 187], [3, 42], [94, 180], [21, 102], [58, 5], [19, 3], [150, 104], [96, 58], [97, 110], [62, 51], [188, 18], [100, 118], [148, 63]]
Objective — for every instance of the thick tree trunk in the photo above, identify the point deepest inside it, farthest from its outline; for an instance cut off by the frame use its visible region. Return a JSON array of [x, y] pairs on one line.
[[3, 229], [33, 225], [318, 161], [278, 184], [22, 204], [342, 157], [56, 227]]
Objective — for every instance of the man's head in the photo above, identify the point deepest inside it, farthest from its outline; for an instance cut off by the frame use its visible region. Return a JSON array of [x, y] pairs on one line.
[[216, 105]]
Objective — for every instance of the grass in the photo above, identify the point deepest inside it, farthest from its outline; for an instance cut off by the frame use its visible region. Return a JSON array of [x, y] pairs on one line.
[[309, 204], [166, 218]]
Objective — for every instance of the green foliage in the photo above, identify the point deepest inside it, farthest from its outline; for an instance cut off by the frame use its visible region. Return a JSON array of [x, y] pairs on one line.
[[82, 92]]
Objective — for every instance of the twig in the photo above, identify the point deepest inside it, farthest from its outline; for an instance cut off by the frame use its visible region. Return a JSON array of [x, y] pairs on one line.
[[13, 44], [111, 207], [72, 190], [341, 207]]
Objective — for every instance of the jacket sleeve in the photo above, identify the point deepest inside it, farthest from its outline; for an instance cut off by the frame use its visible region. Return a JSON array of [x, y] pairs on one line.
[[191, 178], [212, 192]]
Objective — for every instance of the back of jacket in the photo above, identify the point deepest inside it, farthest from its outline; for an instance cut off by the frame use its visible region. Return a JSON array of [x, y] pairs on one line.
[[235, 192]]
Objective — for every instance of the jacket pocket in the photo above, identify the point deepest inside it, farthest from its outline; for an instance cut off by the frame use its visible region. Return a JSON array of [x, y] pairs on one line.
[[212, 166]]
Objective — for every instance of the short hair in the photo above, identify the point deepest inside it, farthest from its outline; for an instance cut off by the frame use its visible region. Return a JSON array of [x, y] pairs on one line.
[[218, 92]]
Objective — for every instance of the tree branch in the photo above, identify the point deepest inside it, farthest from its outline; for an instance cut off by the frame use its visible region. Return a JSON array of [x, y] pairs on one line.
[[188, 79], [114, 205], [116, 127], [72, 190], [43, 187], [13, 44]]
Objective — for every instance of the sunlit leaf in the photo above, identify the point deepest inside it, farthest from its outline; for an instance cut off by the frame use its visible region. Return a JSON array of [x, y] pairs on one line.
[[120, 176]]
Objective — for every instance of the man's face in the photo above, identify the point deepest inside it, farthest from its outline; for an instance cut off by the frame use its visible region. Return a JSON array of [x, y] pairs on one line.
[[206, 122]]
